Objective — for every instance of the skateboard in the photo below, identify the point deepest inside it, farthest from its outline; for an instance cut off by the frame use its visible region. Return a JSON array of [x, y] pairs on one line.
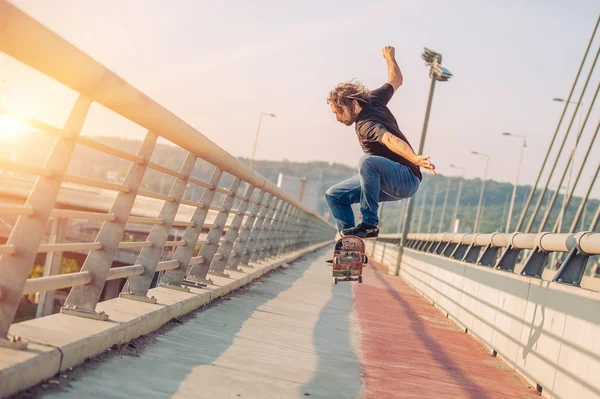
[[348, 259]]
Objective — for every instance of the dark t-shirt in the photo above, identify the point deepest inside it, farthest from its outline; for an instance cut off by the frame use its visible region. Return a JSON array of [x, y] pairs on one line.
[[374, 121]]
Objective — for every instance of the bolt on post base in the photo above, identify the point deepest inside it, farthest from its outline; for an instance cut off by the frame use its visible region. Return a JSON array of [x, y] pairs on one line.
[[174, 287], [136, 297], [13, 342], [88, 314]]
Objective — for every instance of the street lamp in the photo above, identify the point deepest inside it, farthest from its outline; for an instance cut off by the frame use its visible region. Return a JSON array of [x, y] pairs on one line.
[[257, 133], [478, 216], [514, 193], [562, 100], [460, 185], [437, 73]]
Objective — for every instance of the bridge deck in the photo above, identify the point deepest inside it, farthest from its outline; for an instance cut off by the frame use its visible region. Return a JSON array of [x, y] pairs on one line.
[[296, 335]]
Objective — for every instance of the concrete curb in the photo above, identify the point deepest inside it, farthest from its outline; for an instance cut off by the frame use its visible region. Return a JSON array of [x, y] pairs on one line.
[[60, 341]]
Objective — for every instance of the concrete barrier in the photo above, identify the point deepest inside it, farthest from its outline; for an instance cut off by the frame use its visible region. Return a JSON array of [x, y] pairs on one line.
[[548, 332]]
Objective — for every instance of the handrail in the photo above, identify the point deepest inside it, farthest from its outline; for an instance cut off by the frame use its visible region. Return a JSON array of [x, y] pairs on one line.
[[54, 56], [268, 226], [501, 251], [549, 242]]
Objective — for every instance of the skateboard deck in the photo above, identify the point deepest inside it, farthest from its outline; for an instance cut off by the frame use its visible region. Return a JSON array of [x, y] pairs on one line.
[[348, 259]]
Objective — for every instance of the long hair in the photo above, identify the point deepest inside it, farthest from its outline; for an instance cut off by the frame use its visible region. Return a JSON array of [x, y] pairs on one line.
[[344, 93]]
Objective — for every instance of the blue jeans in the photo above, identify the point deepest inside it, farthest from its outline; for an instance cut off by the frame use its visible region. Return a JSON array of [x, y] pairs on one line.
[[378, 180]]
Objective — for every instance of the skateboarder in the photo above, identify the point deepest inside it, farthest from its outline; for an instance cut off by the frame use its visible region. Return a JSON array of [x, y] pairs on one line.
[[389, 170]]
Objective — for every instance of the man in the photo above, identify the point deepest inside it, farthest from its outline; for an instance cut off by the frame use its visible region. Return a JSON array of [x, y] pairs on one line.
[[389, 170]]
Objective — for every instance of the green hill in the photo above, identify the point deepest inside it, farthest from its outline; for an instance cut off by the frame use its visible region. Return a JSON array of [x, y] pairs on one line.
[[91, 163]]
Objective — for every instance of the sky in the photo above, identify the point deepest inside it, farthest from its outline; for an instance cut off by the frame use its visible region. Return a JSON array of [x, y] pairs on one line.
[[219, 64]]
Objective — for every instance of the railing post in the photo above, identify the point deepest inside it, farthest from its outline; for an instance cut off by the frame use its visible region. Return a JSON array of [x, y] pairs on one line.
[[296, 231], [383, 251], [508, 259], [27, 232], [271, 249], [82, 299], [52, 266], [218, 264], [266, 237], [573, 267], [173, 279], [283, 243], [264, 233], [256, 231], [536, 262], [239, 248], [198, 272], [137, 286]]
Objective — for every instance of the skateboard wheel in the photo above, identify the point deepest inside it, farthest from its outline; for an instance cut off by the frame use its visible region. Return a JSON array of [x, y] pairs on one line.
[[359, 279]]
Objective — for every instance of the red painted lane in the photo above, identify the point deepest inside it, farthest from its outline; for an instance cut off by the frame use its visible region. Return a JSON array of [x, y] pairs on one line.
[[409, 349]]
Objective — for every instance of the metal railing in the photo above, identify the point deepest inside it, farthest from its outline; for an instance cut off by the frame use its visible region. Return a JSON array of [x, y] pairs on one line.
[[502, 251], [264, 224]]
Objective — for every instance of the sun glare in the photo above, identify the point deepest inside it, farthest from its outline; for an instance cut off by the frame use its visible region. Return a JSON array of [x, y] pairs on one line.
[[9, 127]]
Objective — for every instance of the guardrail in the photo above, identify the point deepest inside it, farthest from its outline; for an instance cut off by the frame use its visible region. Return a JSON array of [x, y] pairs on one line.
[[501, 251], [265, 222], [544, 330]]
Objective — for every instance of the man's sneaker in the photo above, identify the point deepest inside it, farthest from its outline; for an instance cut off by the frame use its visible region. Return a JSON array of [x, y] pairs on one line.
[[363, 231]]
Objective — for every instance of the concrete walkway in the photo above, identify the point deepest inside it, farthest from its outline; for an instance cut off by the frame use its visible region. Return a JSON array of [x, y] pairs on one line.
[[294, 334]]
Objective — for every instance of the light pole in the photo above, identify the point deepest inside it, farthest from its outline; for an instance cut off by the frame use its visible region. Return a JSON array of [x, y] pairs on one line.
[[257, 133], [514, 193], [478, 216], [460, 185], [436, 72]]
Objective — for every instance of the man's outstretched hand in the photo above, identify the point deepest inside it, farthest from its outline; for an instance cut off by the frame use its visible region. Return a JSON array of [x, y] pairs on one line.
[[424, 162], [388, 52]]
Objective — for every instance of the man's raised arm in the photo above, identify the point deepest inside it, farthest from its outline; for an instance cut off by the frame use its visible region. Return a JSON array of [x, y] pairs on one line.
[[403, 149], [394, 75]]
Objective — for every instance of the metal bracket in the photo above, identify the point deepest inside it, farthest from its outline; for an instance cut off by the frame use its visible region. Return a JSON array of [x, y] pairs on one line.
[[508, 260], [472, 254], [431, 247], [135, 297], [88, 314], [449, 250], [13, 342], [459, 252], [488, 257], [573, 268], [441, 247], [534, 266]]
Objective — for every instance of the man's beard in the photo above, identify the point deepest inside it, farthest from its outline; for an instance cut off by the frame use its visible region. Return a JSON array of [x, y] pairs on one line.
[[353, 117]]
